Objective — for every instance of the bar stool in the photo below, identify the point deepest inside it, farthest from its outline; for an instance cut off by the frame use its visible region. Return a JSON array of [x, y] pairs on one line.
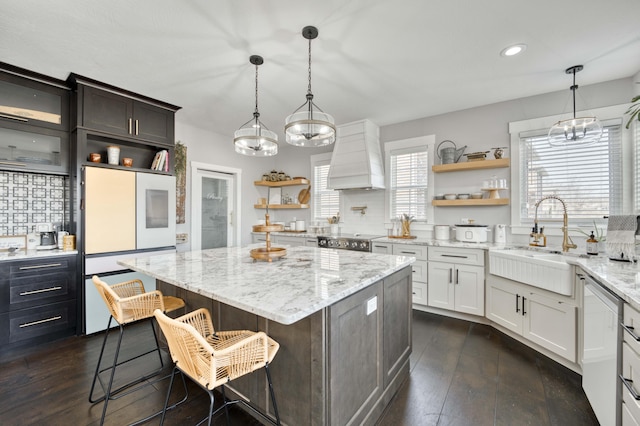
[[213, 358], [128, 302]]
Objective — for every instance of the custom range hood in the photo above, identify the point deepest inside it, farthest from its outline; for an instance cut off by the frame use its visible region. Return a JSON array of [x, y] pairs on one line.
[[356, 161]]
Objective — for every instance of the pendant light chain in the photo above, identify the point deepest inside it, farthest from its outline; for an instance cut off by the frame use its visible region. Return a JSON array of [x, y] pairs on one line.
[[573, 89], [309, 88], [256, 112]]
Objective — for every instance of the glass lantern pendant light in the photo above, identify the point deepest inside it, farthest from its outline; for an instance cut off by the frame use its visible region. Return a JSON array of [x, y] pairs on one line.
[[576, 131], [309, 125], [253, 138]]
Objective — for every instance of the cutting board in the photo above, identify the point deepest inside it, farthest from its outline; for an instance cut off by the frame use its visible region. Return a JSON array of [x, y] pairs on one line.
[[304, 195]]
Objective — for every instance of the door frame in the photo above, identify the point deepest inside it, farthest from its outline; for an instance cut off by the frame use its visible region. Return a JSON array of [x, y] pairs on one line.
[[196, 204]]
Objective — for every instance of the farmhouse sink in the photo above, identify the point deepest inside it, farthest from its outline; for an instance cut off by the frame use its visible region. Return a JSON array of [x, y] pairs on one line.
[[548, 271]]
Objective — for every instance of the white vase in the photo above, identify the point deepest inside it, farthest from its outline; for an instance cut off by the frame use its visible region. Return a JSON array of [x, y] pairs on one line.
[[113, 155]]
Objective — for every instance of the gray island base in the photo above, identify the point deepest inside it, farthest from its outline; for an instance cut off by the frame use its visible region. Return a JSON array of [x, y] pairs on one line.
[[342, 319]]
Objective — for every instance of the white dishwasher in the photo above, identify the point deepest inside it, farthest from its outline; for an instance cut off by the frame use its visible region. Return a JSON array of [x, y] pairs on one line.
[[602, 316]]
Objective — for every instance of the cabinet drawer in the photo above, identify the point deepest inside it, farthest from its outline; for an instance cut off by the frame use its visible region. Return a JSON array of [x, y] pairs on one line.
[[419, 293], [46, 288], [384, 248], [628, 418], [631, 331], [42, 320], [419, 270], [631, 371], [456, 255], [419, 252], [37, 268]]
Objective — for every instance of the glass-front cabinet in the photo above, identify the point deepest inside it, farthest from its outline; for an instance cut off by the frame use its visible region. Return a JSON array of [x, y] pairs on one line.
[[33, 149], [34, 122], [31, 102]]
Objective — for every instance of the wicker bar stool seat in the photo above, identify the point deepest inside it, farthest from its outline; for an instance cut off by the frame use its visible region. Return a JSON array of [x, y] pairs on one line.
[[128, 302], [213, 358]]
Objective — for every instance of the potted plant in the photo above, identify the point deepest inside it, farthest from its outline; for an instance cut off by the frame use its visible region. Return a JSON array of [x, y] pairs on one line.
[[634, 110]]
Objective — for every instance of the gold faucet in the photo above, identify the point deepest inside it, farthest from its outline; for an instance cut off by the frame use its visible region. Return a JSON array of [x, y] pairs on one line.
[[567, 242]]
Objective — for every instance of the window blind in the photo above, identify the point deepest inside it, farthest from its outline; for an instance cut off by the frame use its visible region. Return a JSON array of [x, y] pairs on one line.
[[408, 182], [588, 179], [326, 202]]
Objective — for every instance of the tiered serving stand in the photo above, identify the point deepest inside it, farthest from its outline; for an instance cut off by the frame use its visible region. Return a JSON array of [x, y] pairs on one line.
[[268, 253]]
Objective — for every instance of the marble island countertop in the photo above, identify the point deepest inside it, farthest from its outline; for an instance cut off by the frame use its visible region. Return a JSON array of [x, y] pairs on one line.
[[305, 281]]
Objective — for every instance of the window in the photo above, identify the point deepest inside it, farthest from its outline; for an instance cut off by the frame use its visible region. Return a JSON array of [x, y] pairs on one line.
[[594, 181], [326, 202], [588, 179], [636, 144], [408, 174]]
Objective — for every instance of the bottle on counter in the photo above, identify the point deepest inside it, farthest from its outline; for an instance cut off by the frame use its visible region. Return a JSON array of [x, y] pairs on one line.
[[592, 244]]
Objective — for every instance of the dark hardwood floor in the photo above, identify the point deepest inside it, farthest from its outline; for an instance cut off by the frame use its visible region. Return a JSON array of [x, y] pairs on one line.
[[461, 374]]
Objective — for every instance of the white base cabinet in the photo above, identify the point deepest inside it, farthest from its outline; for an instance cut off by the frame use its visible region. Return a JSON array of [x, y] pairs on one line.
[[541, 317], [418, 268], [456, 280], [630, 375]]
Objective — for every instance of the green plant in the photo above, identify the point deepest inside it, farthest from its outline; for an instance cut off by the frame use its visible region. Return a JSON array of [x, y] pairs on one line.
[[634, 110], [598, 233]]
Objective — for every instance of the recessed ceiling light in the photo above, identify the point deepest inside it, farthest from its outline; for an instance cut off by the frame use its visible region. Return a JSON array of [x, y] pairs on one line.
[[513, 50]]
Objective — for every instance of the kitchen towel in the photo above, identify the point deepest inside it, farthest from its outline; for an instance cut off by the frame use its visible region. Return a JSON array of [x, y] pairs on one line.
[[621, 236]]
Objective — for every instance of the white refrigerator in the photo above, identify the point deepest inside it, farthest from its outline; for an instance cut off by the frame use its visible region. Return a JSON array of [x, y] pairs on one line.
[[127, 214]]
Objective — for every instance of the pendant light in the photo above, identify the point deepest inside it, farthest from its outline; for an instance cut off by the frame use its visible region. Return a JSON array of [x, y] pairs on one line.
[[309, 125], [253, 138], [576, 131]]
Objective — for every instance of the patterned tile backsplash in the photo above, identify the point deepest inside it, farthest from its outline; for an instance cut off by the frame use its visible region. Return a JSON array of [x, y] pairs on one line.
[[27, 199]]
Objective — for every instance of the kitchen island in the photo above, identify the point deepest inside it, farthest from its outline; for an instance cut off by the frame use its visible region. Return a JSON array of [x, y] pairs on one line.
[[342, 319]]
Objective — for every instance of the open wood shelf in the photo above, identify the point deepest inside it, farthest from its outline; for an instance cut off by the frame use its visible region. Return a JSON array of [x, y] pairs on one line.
[[282, 206], [281, 183], [471, 165], [470, 202]]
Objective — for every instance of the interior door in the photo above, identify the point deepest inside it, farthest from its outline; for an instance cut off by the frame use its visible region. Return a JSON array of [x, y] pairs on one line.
[[214, 224]]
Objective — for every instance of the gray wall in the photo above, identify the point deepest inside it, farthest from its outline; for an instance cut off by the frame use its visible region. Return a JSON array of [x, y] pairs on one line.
[[479, 128]]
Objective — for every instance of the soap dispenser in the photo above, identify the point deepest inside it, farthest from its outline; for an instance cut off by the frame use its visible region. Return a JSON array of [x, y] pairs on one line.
[[592, 244]]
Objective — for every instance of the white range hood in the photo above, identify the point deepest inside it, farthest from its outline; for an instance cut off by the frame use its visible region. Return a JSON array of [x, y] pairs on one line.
[[356, 161]]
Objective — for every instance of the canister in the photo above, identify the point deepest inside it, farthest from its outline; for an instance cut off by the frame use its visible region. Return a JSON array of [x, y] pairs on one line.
[[300, 225], [442, 232]]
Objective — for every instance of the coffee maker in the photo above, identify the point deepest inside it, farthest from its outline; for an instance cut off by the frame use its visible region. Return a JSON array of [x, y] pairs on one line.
[[48, 237]]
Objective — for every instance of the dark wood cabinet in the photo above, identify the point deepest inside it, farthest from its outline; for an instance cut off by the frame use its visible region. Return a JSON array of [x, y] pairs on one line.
[[33, 99], [34, 122], [118, 112], [38, 300]]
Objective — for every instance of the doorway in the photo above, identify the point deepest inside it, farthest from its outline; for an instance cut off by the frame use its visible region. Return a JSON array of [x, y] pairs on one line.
[[216, 206]]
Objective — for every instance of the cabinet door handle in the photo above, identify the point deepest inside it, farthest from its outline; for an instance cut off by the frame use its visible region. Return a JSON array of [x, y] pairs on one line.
[[454, 255], [408, 252], [523, 311], [130, 125], [136, 127], [43, 290], [47, 265], [517, 303], [457, 272], [42, 321], [13, 117], [13, 163], [628, 383], [450, 275], [631, 330]]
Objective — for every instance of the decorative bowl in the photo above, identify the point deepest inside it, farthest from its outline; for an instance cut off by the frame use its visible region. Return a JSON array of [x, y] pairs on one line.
[[439, 197], [463, 196], [450, 196], [95, 157], [476, 195]]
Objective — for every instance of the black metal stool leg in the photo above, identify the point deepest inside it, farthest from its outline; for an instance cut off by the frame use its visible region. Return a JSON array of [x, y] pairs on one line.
[[226, 406], [113, 373], [95, 376], [166, 401], [273, 396]]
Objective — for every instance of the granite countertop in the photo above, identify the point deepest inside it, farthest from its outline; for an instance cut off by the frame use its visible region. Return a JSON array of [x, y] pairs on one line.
[[438, 243], [305, 281], [35, 254]]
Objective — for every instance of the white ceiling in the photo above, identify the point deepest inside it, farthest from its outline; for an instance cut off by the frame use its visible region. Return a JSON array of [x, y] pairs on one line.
[[389, 61]]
